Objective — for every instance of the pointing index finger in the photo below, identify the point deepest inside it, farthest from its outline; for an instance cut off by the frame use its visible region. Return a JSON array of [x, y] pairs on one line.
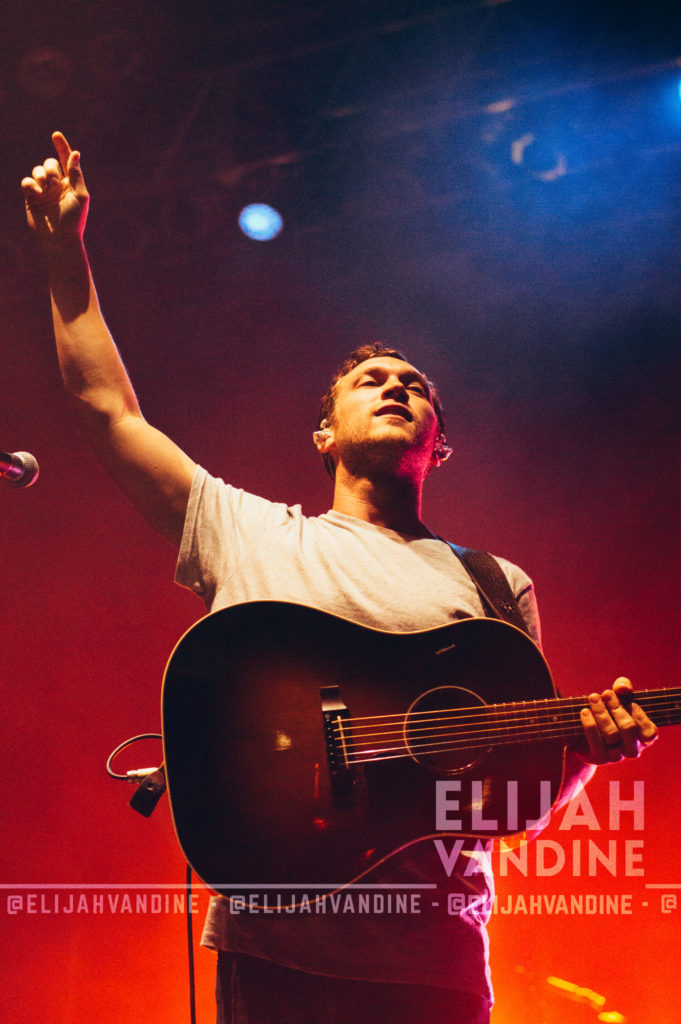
[[63, 149]]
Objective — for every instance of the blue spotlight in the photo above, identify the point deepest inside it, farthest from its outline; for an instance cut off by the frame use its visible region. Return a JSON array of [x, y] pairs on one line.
[[260, 222]]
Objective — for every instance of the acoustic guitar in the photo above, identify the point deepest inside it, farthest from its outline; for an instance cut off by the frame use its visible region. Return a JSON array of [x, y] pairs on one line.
[[302, 749]]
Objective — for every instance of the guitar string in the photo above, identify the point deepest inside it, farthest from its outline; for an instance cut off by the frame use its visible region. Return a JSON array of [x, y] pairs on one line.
[[489, 731], [503, 720], [513, 719], [444, 732], [470, 738], [394, 753], [647, 697], [434, 742], [511, 711], [479, 739]]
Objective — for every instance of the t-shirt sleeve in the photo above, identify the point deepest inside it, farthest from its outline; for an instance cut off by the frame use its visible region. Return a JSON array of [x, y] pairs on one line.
[[220, 524], [527, 603], [523, 591]]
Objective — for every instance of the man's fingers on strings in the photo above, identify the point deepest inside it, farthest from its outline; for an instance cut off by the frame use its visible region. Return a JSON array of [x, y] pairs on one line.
[[627, 729], [598, 751], [623, 685], [643, 730], [601, 706], [646, 730], [602, 730], [612, 730]]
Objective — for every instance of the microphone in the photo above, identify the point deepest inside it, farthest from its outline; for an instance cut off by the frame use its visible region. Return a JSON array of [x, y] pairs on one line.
[[20, 468]]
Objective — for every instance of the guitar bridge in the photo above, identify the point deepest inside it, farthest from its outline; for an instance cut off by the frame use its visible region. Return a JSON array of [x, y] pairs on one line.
[[339, 747]]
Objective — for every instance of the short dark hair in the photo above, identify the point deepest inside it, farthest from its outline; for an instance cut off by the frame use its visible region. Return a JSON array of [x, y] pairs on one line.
[[357, 356]]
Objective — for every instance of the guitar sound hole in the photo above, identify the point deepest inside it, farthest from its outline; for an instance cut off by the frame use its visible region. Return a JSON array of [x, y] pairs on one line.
[[435, 729]]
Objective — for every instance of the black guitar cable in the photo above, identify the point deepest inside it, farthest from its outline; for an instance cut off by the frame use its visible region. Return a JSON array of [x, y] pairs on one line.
[[190, 948], [151, 784]]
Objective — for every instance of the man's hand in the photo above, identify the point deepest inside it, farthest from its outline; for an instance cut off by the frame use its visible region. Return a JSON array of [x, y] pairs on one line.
[[55, 195], [612, 730]]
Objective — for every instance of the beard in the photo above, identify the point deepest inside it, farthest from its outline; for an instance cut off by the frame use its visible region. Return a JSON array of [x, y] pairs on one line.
[[385, 457]]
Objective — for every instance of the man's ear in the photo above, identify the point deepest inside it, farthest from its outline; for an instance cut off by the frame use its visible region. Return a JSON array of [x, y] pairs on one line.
[[441, 451], [323, 438]]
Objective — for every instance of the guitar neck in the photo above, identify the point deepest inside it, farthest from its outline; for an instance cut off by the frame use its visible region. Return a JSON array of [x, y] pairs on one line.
[[432, 732], [558, 718]]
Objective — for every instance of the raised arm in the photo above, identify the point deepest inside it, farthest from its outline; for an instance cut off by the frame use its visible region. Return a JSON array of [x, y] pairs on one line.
[[154, 473]]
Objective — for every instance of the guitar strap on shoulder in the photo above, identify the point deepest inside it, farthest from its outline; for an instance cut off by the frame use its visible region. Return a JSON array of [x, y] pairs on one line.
[[490, 580]]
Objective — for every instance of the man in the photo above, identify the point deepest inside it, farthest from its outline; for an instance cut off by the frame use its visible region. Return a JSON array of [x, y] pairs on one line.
[[371, 559]]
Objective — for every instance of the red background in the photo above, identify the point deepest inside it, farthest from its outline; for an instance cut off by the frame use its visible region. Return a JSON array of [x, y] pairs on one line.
[[580, 497]]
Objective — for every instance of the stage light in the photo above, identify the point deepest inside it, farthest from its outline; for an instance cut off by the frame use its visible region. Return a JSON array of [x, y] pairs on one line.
[[260, 222], [539, 157]]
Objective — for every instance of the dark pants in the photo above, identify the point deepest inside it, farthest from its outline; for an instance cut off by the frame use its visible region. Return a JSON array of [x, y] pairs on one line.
[[255, 991]]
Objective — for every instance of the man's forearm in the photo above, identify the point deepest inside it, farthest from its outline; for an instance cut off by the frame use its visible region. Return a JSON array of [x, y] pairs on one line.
[[577, 773], [92, 370], [148, 467]]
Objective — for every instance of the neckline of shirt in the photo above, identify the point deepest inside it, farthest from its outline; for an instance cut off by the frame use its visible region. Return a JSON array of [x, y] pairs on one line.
[[343, 519]]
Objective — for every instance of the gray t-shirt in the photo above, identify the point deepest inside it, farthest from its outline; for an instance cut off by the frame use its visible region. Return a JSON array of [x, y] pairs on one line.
[[238, 547]]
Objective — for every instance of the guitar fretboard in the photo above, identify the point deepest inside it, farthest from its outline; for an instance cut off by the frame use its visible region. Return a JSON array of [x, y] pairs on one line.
[[481, 726]]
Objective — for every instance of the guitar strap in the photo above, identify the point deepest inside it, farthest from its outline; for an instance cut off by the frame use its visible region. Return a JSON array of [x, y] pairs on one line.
[[490, 580]]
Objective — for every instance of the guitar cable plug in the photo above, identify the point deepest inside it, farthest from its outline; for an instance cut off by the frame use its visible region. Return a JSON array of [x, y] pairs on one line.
[[151, 782], [149, 792]]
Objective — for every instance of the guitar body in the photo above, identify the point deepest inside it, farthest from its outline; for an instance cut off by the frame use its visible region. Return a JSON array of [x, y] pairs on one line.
[[254, 799]]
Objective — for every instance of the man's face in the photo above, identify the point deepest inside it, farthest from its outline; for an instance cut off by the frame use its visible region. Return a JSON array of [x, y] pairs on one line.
[[383, 418]]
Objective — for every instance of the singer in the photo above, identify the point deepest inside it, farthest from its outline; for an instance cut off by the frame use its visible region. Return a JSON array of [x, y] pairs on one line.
[[370, 558]]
